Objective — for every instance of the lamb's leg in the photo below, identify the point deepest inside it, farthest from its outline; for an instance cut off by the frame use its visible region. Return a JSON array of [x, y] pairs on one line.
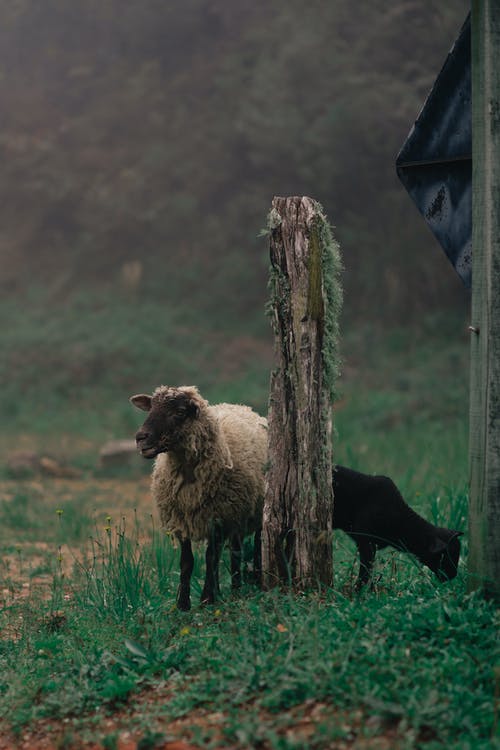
[[187, 562], [366, 551], [214, 550], [236, 556], [257, 557]]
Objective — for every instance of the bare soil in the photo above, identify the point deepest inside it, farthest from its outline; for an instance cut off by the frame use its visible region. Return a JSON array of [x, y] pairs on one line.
[[180, 734]]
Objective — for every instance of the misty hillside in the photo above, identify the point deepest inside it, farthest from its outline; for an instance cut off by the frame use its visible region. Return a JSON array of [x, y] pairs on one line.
[[159, 132], [142, 144]]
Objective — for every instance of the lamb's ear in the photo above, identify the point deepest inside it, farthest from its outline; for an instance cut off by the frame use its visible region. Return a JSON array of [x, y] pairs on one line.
[[438, 545], [455, 535], [142, 401]]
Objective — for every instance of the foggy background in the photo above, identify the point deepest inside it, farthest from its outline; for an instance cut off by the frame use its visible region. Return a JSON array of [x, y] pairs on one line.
[[142, 143]]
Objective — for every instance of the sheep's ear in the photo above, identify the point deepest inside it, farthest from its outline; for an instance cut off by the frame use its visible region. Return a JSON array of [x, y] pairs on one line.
[[142, 401], [191, 400], [438, 546], [193, 408], [453, 535]]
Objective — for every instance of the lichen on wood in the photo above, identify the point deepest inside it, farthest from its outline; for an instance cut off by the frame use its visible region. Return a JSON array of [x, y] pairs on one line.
[[305, 301]]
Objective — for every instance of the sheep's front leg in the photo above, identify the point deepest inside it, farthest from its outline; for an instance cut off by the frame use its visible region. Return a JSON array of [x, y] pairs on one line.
[[187, 563], [366, 551], [236, 557], [214, 550]]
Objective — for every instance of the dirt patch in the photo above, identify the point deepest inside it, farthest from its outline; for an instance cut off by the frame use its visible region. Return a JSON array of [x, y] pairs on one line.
[[67, 513], [128, 492], [144, 726]]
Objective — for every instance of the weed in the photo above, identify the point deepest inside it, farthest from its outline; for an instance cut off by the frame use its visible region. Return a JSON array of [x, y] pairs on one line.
[[120, 574], [110, 741], [151, 740]]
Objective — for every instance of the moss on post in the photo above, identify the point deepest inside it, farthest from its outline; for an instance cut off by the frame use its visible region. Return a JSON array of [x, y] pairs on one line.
[[305, 303]]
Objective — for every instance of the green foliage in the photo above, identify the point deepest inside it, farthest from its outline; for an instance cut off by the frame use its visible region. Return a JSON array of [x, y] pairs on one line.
[[119, 573], [331, 269], [151, 740]]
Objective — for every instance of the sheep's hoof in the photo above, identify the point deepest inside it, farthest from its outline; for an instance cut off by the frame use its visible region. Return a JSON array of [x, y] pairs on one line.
[[184, 603]]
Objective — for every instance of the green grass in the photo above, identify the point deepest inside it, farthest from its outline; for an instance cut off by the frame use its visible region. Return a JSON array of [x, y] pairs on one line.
[[69, 366], [413, 654], [87, 604], [404, 392]]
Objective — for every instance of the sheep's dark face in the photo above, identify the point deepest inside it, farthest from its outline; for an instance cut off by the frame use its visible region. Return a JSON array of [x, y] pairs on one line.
[[444, 557], [170, 411]]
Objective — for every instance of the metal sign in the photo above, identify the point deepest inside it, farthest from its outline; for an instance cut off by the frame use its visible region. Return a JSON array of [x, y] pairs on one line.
[[435, 162]]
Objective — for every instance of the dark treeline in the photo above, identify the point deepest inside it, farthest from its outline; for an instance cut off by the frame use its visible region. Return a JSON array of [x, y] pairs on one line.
[[159, 131]]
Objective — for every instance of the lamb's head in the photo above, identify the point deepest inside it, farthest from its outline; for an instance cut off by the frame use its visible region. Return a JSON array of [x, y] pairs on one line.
[[444, 554], [171, 414]]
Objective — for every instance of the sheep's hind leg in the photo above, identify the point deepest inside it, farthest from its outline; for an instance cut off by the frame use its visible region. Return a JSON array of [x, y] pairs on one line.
[[187, 563], [214, 550], [236, 557], [257, 558]]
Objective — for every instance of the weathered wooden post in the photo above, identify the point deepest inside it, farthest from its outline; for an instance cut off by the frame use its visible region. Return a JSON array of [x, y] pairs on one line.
[[462, 207], [484, 509], [304, 308]]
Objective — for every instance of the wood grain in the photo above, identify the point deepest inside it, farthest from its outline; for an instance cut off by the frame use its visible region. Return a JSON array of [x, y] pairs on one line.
[[484, 514], [298, 510]]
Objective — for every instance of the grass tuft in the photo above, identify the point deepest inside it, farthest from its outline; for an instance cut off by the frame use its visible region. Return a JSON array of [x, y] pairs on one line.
[[414, 653]]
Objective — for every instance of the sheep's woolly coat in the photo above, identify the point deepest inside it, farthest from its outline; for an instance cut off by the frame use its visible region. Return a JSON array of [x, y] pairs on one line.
[[216, 475]]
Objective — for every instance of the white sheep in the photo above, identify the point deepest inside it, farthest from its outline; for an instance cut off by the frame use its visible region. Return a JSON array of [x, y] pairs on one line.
[[208, 478]]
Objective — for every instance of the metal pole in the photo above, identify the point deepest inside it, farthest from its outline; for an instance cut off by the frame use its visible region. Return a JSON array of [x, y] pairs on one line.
[[484, 451]]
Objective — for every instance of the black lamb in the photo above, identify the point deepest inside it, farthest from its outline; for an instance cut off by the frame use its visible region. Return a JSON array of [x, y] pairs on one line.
[[372, 511]]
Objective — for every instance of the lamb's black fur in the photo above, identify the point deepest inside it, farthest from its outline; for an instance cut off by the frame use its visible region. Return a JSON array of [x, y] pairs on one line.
[[373, 512]]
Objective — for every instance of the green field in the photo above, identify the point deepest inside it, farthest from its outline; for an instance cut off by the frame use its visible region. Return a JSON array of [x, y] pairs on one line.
[[92, 646]]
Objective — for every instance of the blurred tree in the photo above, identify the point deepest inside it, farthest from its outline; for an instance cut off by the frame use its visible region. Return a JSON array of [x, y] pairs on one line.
[[160, 131]]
